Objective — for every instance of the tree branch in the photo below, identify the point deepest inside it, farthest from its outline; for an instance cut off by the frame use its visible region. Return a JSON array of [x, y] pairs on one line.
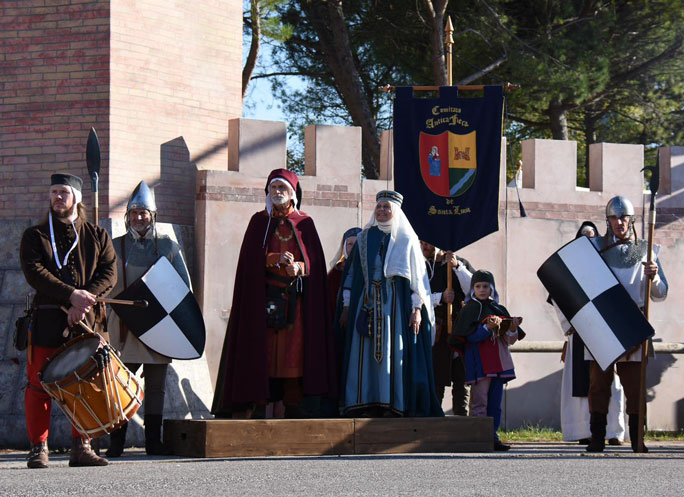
[[620, 78], [290, 73], [436, 9], [486, 70], [253, 55], [529, 122]]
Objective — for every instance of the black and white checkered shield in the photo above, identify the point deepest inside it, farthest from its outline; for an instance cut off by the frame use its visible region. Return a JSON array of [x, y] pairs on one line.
[[172, 324], [593, 301]]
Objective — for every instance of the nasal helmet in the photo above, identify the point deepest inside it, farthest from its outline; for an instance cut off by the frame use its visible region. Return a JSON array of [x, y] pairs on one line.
[[141, 198]]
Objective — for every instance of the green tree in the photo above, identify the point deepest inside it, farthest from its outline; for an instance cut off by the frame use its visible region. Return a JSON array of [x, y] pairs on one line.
[[586, 57], [260, 21], [590, 70], [347, 50]]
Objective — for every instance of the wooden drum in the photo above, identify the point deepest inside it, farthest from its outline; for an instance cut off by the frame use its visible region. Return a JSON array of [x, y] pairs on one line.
[[91, 385]]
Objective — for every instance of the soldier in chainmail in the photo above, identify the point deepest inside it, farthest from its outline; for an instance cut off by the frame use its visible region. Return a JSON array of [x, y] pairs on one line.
[[136, 252], [628, 259]]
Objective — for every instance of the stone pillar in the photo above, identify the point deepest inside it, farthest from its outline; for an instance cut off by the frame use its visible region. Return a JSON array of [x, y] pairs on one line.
[[256, 147]]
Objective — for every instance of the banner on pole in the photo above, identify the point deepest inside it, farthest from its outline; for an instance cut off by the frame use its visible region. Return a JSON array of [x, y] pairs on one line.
[[447, 158]]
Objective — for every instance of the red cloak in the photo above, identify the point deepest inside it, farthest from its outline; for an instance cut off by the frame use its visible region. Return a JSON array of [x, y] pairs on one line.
[[243, 372]]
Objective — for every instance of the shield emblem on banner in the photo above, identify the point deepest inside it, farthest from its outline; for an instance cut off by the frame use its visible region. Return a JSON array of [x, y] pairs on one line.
[[448, 162]]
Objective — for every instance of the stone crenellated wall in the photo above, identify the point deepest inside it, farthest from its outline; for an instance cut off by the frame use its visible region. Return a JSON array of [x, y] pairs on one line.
[[337, 197]]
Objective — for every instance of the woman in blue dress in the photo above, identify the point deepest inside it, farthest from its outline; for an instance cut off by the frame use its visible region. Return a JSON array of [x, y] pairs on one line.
[[387, 320]]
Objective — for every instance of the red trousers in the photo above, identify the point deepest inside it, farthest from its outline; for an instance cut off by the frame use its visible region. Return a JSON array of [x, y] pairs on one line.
[[37, 402]]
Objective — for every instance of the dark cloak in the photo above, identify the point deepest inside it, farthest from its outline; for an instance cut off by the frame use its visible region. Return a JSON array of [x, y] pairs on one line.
[[442, 352], [243, 375]]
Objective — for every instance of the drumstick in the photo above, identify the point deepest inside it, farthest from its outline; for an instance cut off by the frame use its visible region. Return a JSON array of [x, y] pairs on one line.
[[136, 303], [80, 323]]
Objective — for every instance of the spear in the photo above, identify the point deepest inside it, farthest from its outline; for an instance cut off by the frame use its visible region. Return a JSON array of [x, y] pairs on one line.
[[93, 161], [654, 185]]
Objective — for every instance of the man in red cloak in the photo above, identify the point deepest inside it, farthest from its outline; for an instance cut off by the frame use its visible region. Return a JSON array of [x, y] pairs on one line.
[[279, 346]]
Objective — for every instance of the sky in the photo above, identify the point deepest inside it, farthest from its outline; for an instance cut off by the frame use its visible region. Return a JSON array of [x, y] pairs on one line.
[[260, 103]]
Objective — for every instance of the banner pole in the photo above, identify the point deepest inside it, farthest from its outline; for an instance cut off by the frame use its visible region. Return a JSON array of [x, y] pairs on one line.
[[449, 42], [506, 87]]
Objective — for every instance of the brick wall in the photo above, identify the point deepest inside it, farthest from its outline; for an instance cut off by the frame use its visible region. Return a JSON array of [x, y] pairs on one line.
[[176, 81], [54, 85], [159, 83]]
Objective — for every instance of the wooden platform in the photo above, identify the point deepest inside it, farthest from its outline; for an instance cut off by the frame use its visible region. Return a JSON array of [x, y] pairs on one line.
[[300, 437]]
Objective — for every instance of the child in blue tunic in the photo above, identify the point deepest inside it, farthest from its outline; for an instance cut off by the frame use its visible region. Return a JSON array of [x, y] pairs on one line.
[[488, 330]]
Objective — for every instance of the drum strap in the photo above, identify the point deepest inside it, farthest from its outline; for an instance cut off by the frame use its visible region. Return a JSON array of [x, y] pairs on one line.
[[123, 330]]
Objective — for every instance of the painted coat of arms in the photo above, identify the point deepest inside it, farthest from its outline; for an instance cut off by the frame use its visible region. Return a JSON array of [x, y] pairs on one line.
[[448, 162]]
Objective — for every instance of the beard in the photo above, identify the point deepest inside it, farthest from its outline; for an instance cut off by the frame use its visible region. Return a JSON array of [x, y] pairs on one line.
[[280, 201], [63, 213], [141, 228]]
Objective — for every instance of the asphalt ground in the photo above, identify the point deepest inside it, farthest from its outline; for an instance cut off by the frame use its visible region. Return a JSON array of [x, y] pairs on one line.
[[529, 469]]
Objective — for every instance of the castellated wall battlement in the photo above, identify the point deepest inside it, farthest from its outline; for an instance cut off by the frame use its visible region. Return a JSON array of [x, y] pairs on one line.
[[337, 197]]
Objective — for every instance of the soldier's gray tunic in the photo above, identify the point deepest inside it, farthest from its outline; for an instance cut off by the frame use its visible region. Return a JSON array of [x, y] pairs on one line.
[[140, 255]]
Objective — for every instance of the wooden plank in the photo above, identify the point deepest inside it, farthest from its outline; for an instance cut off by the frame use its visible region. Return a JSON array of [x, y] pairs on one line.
[[411, 435], [299, 437], [281, 437], [186, 437]]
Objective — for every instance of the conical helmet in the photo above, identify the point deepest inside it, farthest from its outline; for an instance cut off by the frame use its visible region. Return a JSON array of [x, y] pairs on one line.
[[619, 206], [142, 198]]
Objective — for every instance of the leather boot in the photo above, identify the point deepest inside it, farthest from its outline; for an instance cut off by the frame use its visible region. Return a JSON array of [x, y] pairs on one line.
[[38, 456], [117, 441], [634, 433], [597, 425], [153, 441], [82, 454]]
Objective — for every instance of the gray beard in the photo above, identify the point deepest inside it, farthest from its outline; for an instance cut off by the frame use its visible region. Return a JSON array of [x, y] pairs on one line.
[[141, 232], [280, 201]]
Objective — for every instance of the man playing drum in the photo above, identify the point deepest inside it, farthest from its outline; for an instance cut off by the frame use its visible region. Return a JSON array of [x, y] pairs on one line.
[[69, 262]]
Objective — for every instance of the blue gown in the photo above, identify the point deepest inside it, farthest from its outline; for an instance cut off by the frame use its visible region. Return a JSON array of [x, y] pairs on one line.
[[386, 367]]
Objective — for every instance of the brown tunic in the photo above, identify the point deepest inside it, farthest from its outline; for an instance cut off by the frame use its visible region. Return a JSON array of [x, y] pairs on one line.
[[90, 266]]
